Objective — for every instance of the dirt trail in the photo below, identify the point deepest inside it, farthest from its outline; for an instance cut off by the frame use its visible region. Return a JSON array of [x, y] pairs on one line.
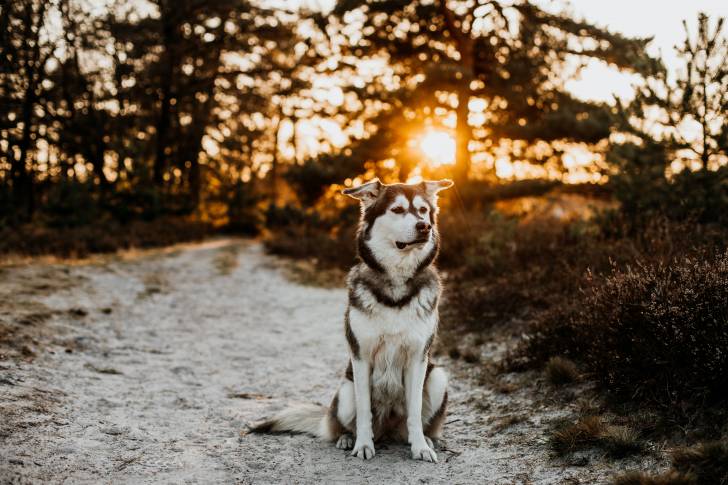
[[162, 360]]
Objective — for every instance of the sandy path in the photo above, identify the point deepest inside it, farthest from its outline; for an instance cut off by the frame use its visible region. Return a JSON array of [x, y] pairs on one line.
[[179, 351]]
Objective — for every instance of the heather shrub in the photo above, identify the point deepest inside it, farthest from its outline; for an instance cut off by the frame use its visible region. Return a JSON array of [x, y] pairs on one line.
[[71, 204], [653, 330], [503, 268], [326, 241], [706, 463], [106, 236], [702, 464]]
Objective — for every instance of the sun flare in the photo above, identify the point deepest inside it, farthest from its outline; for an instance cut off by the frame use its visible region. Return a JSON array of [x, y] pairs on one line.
[[438, 147]]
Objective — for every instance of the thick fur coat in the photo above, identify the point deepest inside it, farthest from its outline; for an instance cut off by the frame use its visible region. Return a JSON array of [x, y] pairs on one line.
[[390, 390]]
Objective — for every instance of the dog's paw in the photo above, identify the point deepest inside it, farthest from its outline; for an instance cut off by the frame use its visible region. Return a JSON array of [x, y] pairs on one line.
[[364, 449], [429, 442], [424, 452], [346, 442]]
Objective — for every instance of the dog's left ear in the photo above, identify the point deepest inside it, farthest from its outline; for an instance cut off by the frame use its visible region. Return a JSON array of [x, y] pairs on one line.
[[432, 187], [366, 193]]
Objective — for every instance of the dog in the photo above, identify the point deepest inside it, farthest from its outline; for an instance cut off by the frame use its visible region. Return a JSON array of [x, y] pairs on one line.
[[391, 390]]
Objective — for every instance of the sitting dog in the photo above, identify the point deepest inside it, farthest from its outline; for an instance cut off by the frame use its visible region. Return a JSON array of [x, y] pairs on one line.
[[390, 390]]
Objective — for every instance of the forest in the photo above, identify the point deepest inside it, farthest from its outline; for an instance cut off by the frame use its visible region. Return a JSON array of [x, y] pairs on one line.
[[591, 234]]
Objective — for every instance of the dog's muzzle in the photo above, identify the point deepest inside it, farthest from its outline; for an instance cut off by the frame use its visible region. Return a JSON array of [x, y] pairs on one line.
[[402, 245], [423, 231]]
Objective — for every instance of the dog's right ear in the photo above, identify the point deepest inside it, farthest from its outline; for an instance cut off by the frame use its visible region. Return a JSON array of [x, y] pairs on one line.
[[366, 193]]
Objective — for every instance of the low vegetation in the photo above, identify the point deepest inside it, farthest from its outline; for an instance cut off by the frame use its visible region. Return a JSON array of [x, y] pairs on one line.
[[702, 464], [653, 331], [637, 307], [592, 432], [560, 371], [103, 237]]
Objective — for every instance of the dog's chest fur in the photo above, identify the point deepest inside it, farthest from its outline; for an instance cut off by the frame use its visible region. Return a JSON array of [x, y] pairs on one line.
[[391, 323]]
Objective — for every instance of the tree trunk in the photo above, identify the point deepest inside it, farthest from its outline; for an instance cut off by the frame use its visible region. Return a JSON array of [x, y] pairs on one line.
[[23, 196], [705, 156], [294, 140], [160, 160], [99, 156], [463, 135], [199, 126], [463, 77], [275, 162]]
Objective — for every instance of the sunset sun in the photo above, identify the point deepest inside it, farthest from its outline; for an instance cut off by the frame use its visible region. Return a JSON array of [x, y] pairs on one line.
[[438, 147]]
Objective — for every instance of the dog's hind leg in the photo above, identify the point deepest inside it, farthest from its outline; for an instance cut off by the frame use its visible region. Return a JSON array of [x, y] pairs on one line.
[[434, 403], [345, 415]]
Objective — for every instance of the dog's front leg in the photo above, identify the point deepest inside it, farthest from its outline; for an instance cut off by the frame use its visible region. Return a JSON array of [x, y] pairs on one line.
[[414, 381], [364, 445]]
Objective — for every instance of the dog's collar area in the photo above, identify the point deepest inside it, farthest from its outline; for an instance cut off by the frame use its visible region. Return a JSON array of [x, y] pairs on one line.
[[402, 245]]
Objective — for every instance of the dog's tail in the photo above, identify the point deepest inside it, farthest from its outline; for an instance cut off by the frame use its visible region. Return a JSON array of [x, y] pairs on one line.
[[312, 419]]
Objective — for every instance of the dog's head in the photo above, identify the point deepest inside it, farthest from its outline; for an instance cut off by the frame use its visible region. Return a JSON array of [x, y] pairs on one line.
[[399, 221]]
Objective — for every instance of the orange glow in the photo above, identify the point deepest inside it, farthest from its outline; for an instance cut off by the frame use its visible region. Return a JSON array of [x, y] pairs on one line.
[[438, 147]]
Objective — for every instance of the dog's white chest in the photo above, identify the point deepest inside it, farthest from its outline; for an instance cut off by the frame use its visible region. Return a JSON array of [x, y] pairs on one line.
[[388, 340], [391, 334]]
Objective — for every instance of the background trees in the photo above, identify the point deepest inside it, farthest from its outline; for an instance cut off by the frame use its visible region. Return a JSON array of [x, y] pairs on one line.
[[191, 107], [672, 154], [500, 68], [135, 102]]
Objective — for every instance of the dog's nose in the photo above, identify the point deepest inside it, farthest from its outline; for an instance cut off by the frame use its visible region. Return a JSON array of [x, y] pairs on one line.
[[422, 227]]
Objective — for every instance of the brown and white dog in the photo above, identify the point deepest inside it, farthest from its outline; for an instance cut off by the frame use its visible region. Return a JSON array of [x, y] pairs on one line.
[[390, 390]]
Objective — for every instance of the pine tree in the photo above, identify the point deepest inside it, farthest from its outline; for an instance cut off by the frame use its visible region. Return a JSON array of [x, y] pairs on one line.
[[25, 51], [511, 55], [675, 154], [690, 115]]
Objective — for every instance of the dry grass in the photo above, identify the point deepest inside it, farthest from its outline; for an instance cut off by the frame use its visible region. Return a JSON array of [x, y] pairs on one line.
[[668, 478], [702, 464], [311, 274], [707, 462], [154, 283], [508, 421], [584, 433], [560, 371], [226, 260], [593, 432]]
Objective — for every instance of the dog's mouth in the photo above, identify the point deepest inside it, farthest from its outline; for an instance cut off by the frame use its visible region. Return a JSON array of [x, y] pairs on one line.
[[402, 245]]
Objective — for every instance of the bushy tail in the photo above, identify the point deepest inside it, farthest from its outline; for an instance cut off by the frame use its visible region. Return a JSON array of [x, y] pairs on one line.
[[306, 418]]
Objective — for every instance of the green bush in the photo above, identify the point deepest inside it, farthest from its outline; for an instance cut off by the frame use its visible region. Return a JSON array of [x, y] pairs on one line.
[[70, 204], [644, 192], [244, 215], [142, 202], [311, 179], [329, 242]]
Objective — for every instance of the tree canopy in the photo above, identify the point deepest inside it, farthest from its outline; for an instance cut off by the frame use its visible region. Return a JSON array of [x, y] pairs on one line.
[[192, 107]]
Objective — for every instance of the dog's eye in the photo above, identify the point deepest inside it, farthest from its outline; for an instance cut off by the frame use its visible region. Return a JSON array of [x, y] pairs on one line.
[[423, 210], [398, 210]]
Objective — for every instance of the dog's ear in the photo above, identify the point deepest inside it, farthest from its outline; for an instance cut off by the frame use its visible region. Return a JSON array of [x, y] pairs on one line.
[[432, 187], [366, 193]]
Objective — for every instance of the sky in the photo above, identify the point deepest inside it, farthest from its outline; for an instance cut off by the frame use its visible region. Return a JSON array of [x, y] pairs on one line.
[[661, 19], [640, 18]]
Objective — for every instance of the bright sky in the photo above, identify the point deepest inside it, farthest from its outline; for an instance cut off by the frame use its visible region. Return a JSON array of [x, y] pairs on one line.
[[639, 18]]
